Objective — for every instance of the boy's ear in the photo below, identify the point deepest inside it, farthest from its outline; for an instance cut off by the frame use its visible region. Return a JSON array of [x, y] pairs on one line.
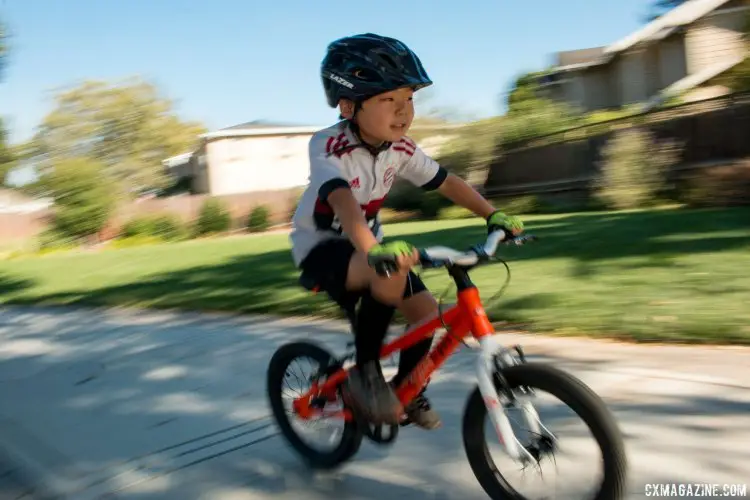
[[346, 108]]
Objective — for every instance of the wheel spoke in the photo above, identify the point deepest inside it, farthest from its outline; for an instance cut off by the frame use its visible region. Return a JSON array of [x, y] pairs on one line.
[[326, 439]]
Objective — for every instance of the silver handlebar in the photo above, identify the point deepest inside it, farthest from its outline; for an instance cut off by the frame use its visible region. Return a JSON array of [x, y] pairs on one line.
[[446, 255]]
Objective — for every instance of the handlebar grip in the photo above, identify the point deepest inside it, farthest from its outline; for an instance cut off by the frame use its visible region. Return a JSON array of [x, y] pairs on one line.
[[384, 266]]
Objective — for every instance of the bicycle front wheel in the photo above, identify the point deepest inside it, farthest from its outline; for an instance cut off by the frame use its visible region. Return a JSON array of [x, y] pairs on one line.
[[572, 393]]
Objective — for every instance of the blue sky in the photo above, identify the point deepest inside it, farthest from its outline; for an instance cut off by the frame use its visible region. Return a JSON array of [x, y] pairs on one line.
[[229, 61]]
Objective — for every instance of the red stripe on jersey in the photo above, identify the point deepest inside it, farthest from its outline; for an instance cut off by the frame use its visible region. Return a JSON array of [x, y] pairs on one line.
[[339, 150], [404, 149], [322, 208], [408, 142], [328, 144], [372, 208]]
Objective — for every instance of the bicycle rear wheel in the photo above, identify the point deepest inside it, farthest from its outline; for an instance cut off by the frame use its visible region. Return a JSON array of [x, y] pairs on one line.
[[351, 436], [571, 392]]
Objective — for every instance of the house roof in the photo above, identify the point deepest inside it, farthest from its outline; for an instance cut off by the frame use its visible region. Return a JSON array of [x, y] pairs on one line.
[[692, 81], [174, 161], [260, 130], [270, 130], [580, 56], [658, 29], [686, 13], [15, 202], [704, 75], [258, 124]]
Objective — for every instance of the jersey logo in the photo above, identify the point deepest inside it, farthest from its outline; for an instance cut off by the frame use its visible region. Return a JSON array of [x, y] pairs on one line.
[[354, 183]]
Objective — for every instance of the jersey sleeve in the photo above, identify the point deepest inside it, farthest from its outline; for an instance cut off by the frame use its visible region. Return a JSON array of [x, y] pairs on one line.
[[326, 173], [419, 168]]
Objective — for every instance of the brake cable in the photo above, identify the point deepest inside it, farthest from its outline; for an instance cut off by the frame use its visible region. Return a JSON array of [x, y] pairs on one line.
[[487, 303]]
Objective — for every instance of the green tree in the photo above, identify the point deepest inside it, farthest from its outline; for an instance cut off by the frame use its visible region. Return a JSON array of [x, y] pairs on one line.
[[6, 153], [531, 113], [127, 127], [83, 197], [3, 48], [524, 92], [7, 160]]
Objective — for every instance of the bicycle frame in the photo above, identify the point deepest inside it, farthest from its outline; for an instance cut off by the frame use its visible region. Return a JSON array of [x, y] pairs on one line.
[[467, 317]]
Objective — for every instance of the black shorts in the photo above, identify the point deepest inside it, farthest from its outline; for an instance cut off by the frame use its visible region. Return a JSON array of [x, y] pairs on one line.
[[327, 265]]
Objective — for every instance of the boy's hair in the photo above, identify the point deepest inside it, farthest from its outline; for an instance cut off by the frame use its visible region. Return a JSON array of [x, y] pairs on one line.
[[361, 66]]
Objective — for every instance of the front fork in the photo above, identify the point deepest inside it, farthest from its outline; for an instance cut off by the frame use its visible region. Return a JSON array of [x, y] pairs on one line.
[[491, 360]]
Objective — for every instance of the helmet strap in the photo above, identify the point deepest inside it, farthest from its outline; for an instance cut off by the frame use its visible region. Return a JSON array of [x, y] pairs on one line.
[[374, 150]]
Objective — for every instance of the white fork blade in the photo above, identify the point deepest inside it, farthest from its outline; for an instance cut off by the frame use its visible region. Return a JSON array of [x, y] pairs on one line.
[[496, 411]]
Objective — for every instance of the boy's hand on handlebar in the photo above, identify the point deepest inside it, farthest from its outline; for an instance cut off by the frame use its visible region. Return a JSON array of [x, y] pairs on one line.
[[394, 257], [512, 225]]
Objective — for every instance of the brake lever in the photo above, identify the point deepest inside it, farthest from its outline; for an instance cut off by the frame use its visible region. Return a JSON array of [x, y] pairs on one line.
[[521, 240]]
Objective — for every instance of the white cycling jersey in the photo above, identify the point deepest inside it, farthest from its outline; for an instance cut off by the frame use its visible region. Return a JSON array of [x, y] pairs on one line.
[[339, 159]]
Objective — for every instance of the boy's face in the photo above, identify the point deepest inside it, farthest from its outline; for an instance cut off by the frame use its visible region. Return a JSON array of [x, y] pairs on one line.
[[385, 117]]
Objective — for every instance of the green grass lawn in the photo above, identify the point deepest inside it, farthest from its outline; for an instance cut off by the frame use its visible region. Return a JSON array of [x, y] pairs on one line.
[[653, 275]]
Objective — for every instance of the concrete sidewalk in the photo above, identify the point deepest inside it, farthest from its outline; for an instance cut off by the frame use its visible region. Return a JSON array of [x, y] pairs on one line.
[[132, 405]]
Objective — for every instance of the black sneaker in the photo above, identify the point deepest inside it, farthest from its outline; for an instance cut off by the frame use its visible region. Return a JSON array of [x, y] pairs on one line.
[[367, 390], [419, 411]]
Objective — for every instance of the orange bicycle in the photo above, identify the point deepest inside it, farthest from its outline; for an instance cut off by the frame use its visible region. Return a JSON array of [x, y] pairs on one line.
[[505, 379]]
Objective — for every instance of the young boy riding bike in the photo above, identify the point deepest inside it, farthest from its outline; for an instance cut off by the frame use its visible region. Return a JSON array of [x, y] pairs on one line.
[[337, 237]]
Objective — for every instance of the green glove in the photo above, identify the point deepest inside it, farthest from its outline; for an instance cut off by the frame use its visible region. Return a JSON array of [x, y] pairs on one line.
[[383, 256], [508, 223]]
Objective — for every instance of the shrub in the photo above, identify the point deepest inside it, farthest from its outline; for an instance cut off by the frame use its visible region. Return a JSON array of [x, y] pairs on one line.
[[455, 212], [406, 197], [163, 226], [259, 219], [168, 228], [634, 169], [54, 239], [213, 218], [391, 216], [521, 205], [403, 196], [724, 186], [135, 241], [430, 204], [83, 196]]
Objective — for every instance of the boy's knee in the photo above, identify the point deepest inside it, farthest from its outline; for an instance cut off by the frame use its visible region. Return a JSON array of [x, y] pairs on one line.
[[389, 290]]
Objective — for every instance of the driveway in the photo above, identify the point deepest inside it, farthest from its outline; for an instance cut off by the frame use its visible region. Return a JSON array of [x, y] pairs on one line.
[[100, 403]]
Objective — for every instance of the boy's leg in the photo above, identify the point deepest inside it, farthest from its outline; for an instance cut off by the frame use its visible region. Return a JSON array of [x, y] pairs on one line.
[[411, 297], [417, 308], [367, 388], [344, 274]]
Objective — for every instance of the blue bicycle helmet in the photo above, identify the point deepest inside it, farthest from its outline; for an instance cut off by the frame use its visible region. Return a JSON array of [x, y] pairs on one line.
[[361, 66]]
